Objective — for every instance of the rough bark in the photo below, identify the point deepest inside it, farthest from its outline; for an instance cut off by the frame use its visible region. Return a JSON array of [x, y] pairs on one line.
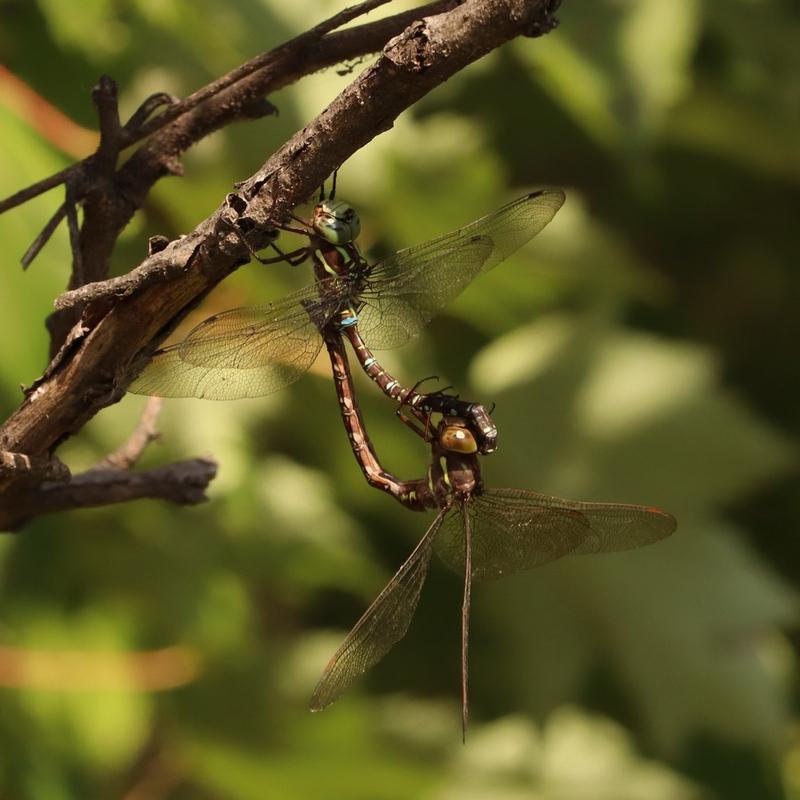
[[123, 319]]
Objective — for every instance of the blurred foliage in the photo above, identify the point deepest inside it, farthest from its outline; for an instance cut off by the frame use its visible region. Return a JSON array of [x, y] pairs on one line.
[[642, 349]]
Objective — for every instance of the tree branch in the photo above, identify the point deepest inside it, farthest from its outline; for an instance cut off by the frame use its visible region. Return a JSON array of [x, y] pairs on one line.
[[145, 432], [184, 483], [120, 334], [110, 201], [307, 53]]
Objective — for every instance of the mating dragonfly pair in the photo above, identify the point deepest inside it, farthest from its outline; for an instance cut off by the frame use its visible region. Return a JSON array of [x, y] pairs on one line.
[[483, 532]]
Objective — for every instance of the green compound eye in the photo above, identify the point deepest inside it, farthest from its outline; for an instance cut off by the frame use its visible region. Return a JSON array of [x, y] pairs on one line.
[[337, 222]]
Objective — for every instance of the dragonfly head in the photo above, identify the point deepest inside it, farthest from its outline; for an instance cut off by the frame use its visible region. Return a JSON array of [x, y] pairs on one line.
[[456, 437], [336, 222]]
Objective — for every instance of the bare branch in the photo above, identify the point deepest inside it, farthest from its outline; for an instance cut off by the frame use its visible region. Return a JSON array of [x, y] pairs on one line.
[[122, 330], [150, 105], [110, 201], [49, 488], [228, 100], [104, 96], [155, 269], [42, 186], [245, 70], [144, 433], [93, 171], [329, 50], [74, 234], [428, 53], [44, 237], [184, 483]]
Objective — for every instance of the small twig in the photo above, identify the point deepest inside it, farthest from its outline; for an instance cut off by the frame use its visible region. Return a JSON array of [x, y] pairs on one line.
[[144, 433], [138, 128], [150, 105], [101, 164], [349, 43], [41, 240], [245, 70], [120, 334], [74, 233], [42, 186], [104, 96], [183, 483]]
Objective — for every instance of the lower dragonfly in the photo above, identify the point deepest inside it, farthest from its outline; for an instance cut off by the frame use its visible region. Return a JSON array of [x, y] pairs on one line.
[[250, 352], [481, 532]]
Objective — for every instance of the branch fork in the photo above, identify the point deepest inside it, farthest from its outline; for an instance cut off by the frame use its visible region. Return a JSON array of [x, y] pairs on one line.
[[104, 330]]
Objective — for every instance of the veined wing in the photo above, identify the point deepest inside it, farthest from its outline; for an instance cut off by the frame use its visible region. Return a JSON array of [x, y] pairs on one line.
[[515, 529], [383, 624], [510, 536], [245, 352], [614, 526], [168, 375], [396, 309], [406, 290]]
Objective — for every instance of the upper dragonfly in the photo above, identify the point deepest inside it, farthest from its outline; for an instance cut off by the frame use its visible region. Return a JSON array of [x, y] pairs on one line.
[[253, 351]]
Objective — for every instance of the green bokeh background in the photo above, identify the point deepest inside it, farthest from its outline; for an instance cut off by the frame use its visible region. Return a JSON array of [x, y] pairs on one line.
[[642, 349]]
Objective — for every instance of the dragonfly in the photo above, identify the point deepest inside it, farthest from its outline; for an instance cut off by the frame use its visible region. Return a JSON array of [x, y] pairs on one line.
[[482, 533], [253, 351]]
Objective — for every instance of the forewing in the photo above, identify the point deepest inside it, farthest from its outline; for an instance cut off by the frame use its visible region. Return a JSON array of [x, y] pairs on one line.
[[614, 526], [515, 529], [510, 534], [396, 309], [383, 624], [168, 375], [245, 352], [409, 288]]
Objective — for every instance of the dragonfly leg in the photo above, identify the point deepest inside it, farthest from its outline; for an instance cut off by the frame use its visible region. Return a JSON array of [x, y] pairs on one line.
[[423, 415], [412, 398], [421, 381], [293, 257], [332, 195], [423, 433], [305, 228]]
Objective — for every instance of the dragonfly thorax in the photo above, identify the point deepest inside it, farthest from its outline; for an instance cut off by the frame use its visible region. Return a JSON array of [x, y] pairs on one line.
[[336, 221], [455, 469]]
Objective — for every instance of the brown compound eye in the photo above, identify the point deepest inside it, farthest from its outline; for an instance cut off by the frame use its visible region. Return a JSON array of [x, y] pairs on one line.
[[457, 440]]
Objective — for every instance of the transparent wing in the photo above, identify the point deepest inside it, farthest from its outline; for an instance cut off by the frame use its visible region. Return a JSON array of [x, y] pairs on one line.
[[168, 375], [614, 526], [406, 290], [510, 535], [514, 530], [245, 352], [396, 309], [383, 624]]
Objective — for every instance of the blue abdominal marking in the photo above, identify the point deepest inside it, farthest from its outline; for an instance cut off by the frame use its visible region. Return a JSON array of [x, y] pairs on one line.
[[348, 321]]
